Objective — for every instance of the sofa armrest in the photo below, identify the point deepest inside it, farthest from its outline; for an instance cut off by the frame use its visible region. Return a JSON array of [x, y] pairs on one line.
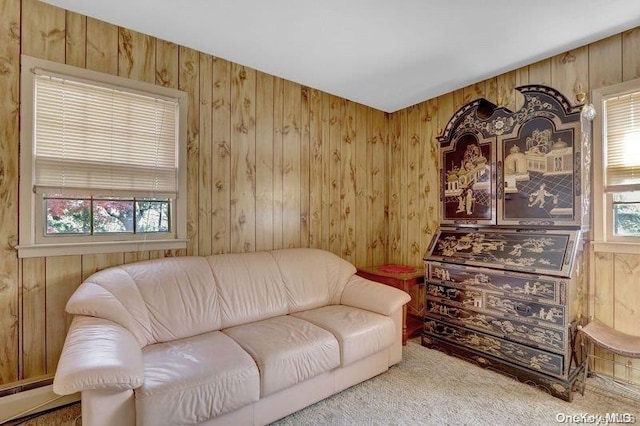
[[98, 354], [372, 296]]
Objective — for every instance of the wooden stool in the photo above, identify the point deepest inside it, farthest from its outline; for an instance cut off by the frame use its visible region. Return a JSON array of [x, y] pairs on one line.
[[599, 334]]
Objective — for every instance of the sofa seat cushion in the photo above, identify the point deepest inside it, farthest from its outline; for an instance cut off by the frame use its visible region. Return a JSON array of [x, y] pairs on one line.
[[287, 350], [359, 332], [194, 379]]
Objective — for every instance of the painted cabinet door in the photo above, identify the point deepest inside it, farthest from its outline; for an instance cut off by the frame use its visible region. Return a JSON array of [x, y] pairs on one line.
[[540, 162], [468, 173]]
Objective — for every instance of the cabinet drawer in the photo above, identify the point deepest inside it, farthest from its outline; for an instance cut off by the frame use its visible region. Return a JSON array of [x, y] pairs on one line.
[[526, 311], [523, 286], [532, 358], [528, 334]]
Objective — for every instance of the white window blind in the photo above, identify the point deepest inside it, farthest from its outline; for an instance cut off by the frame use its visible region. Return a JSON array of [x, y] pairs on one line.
[[622, 130], [93, 139]]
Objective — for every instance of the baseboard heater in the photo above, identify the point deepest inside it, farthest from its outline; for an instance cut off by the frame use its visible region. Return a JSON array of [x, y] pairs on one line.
[[28, 397]]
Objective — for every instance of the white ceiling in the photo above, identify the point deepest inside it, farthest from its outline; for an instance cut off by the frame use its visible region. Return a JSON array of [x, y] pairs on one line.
[[382, 53]]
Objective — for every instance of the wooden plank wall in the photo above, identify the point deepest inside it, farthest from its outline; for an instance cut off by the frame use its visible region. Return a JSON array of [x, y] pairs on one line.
[[271, 164], [613, 288]]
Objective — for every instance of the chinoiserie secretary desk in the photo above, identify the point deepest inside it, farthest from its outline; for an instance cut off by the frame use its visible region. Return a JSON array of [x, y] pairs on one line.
[[505, 272]]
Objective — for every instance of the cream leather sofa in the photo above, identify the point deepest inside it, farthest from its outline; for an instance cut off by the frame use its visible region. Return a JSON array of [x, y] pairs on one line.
[[236, 339]]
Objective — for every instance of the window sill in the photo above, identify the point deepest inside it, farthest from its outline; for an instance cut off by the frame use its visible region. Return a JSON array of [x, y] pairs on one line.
[[44, 250], [616, 247]]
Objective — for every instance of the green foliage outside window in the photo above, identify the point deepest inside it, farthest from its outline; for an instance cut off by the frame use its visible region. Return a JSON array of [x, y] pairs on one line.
[[626, 213]]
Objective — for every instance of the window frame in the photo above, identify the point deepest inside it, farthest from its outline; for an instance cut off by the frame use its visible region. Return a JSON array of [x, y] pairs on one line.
[[604, 238], [32, 215]]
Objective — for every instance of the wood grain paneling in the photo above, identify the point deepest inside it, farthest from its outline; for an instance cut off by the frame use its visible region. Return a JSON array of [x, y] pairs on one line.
[[278, 170], [63, 275], [205, 168], [522, 78], [491, 90], [291, 167], [327, 160], [377, 188], [428, 167], [348, 179], [76, 39], [188, 81], [316, 157], [413, 148], [569, 72], [264, 161], [305, 167], [473, 91], [167, 64], [458, 97], [394, 174], [605, 65], [626, 315], [102, 46], [44, 37], [136, 55], [361, 213], [135, 256], [506, 93], [403, 149], [9, 142], [34, 341], [604, 293], [92, 263], [540, 72], [335, 163], [43, 31], [221, 188], [243, 159], [630, 57]]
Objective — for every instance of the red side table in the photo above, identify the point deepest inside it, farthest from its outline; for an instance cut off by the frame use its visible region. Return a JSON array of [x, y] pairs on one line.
[[406, 278]]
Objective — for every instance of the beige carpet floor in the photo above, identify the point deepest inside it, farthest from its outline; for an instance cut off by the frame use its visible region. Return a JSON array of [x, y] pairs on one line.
[[431, 388]]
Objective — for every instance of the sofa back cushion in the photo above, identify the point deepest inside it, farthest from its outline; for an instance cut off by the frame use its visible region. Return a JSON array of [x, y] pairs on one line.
[[157, 300], [313, 278], [250, 287]]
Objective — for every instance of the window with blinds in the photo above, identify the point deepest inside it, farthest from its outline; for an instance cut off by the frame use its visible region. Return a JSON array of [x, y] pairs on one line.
[[621, 140], [104, 159], [96, 140], [622, 130]]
